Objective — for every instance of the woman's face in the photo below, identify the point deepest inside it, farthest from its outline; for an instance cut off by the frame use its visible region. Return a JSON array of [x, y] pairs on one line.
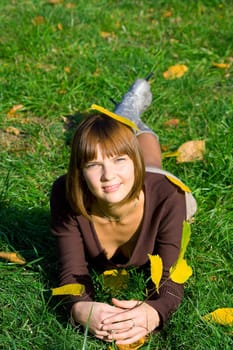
[[109, 179]]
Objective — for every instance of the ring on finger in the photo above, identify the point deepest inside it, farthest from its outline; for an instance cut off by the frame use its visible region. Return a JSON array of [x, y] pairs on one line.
[[133, 324]]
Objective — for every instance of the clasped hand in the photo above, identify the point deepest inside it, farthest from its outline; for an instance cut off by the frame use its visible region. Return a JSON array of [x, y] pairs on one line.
[[125, 322]]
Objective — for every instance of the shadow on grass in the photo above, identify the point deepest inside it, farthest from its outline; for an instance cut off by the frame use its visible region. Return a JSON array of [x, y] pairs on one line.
[[27, 232]]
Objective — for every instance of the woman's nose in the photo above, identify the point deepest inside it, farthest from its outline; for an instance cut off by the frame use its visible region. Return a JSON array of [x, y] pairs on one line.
[[107, 172]]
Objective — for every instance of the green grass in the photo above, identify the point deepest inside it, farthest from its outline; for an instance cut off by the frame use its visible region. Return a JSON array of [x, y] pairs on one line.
[[143, 38]]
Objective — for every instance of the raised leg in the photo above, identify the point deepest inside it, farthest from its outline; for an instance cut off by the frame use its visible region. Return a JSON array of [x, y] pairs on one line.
[[150, 149], [133, 104]]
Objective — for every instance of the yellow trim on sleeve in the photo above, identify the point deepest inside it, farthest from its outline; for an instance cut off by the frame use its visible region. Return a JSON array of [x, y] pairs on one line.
[[178, 183], [69, 289], [115, 116]]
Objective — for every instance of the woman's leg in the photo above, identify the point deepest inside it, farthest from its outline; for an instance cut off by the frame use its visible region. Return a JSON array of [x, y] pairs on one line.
[[133, 104], [150, 149]]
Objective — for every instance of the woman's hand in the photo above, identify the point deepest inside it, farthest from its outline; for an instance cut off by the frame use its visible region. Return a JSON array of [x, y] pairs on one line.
[[135, 320], [92, 314]]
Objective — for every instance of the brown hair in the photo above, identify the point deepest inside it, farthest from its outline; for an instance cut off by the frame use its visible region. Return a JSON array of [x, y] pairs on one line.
[[114, 138]]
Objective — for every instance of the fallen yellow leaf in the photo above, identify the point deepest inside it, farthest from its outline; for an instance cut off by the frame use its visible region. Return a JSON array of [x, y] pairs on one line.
[[69, 289], [176, 71], [221, 65], [107, 35], [14, 110], [38, 20], [12, 130], [136, 345], [191, 151], [180, 272], [116, 279], [167, 14], [178, 183], [156, 264], [172, 122], [54, 2], [13, 257], [223, 316], [186, 234], [59, 26], [115, 116]]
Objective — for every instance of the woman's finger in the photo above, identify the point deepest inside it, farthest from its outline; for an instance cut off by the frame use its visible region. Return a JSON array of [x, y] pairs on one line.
[[129, 336]]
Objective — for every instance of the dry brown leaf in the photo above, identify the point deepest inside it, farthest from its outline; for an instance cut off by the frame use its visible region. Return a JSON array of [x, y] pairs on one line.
[[38, 20], [46, 67], [107, 35], [167, 14], [12, 130], [172, 122], [221, 65], [59, 26], [96, 72], [14, 110], [54, 2], [175, 72], [70, 5], [191, 151], [13, 257]]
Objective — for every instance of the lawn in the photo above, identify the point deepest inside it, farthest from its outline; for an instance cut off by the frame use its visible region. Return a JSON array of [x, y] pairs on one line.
[[56, 59]]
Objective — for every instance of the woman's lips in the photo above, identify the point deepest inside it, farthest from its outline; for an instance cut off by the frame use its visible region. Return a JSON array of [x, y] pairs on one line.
[[111, 188]]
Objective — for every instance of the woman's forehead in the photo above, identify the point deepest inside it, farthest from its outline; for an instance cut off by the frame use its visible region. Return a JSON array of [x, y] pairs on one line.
[[105, 152]]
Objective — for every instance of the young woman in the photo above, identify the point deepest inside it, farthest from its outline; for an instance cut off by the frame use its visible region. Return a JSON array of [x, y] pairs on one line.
[[109, 212]]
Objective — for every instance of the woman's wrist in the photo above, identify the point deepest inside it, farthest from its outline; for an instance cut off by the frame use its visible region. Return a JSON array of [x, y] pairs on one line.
[[76, 312]]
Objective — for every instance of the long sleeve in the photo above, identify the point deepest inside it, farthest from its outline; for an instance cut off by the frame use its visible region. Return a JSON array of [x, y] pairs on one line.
[[73, 267], [170, 216]]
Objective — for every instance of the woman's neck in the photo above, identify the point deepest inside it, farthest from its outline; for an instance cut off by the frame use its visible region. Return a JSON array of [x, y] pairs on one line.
[[116, 212]]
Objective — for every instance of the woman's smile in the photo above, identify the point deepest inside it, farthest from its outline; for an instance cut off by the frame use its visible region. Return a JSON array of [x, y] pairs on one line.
[[111, 188], [109, 178]]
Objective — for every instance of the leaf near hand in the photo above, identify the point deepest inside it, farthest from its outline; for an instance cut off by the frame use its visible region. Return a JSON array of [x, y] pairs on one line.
[[175, 72], [156, 264], [116, 279], [223, 316], [136, 345], [180, 272]]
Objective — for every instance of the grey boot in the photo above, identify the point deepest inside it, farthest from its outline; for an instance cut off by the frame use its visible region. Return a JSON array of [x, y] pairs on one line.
[[135, 102]]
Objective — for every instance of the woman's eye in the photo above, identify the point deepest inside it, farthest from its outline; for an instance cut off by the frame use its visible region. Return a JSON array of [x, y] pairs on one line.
[[90, 165], [120, 159]]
